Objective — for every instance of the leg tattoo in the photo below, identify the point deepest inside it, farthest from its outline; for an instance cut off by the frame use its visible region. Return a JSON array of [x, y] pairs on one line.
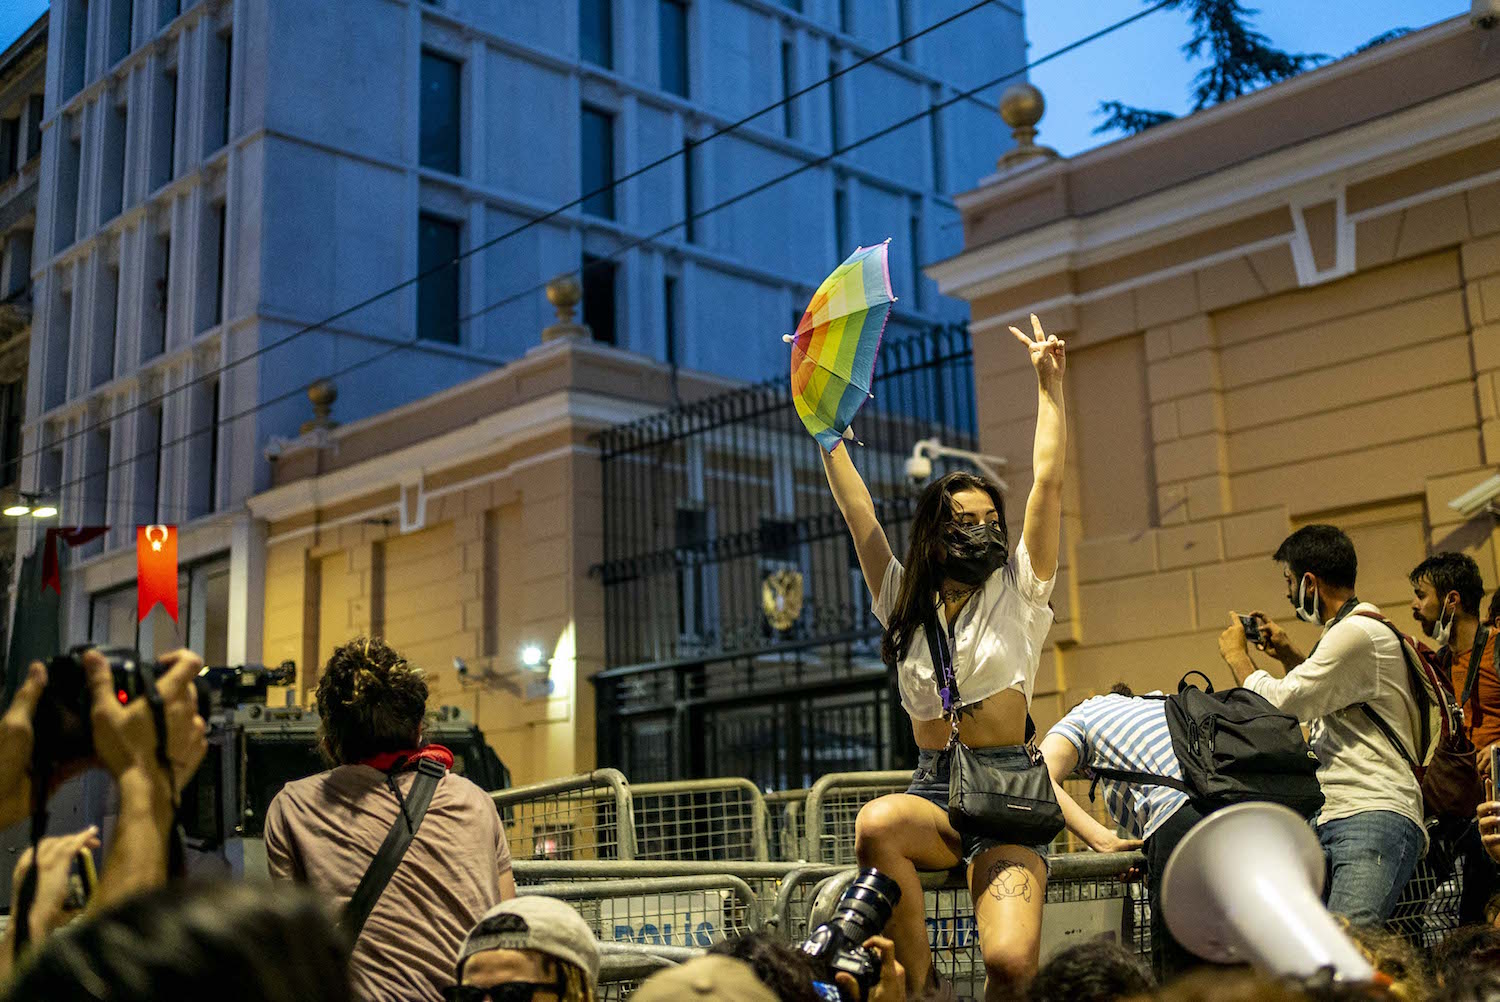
[[1008, 879]]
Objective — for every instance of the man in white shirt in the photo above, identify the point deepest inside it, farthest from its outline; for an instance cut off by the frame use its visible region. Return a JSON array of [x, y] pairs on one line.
[[1371, 823]]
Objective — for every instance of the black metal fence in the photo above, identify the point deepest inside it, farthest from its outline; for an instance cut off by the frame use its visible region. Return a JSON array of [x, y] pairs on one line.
[[739, 637]]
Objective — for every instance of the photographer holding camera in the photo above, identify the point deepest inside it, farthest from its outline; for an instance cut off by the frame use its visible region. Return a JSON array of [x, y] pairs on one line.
[[150, 769]]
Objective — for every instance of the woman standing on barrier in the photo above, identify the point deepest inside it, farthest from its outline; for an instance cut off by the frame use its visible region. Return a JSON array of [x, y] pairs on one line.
[[992, 605]]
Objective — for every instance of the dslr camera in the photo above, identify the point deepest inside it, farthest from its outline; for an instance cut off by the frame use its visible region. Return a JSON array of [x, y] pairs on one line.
[[64, 732], [837, 946]]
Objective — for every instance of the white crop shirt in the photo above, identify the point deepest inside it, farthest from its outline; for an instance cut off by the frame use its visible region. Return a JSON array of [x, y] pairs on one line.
[[997, 640]]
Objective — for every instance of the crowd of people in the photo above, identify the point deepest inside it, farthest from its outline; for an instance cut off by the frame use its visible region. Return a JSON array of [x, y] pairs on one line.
[[391, 875]]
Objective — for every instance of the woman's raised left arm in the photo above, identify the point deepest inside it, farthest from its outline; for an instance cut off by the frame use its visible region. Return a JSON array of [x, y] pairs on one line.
[[1042, 528]]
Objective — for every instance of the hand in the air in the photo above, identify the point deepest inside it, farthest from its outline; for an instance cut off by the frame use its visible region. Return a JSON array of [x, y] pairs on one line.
[[1047, 353]]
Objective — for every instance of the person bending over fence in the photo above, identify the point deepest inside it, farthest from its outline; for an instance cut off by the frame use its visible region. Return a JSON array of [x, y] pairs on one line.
[[965, 619]]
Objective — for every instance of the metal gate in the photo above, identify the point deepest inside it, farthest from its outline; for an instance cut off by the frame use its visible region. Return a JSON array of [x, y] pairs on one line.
[[739, 637]]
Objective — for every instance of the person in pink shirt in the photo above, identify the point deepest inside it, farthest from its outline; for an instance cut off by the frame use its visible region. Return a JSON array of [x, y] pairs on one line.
[[326, 830]]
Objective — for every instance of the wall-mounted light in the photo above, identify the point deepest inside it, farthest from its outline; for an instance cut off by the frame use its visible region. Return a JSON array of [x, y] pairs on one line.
[[29, 504], [531, 656]]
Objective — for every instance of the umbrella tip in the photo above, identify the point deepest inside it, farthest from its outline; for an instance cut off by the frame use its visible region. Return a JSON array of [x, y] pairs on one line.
[[787, 338]]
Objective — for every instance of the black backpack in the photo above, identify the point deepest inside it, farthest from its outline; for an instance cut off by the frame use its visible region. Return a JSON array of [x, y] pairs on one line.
[[1233, 746]]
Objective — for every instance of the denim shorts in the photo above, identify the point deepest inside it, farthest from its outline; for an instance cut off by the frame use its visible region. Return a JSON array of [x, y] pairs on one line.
[[930, 782]]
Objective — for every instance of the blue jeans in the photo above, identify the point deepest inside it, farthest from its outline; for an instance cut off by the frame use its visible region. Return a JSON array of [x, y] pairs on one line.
[[1371, 856]]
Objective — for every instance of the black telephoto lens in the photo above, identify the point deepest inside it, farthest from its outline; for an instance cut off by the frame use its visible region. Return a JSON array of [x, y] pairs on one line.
[[837, 946]]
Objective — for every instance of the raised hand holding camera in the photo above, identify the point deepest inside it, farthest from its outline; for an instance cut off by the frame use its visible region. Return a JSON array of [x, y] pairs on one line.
[[125, 735]]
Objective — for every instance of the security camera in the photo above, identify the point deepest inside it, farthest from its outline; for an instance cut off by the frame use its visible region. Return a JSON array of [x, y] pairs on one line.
[[1485, 14], [1479, 499], [918, 468], [919, 463]]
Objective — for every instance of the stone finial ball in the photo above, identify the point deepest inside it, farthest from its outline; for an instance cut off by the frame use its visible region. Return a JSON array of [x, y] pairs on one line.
[[564, 292], [1022, 105], [322, 393]]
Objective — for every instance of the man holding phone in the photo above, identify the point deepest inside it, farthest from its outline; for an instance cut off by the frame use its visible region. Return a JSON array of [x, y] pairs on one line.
[[1446, 592]]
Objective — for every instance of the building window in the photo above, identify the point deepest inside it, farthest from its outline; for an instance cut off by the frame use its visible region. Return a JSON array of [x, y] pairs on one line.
[[846, 16], [217, 97], [840, 220], [170, 10], [669, 319], [203, 492], [12, 415], [689, 199], [788, 88], [112, 182], [437, 293], [695, 585], [148, 469], [914, 243], [674, 47], [154, 331], [74, 46], [935, 125], [102, 366], [164, 130], [596, 42], [833, 106], [223, 228], [598, 147], [599, 297], [34, 109], [441, 79], [121, 19], [65, 225], [203, 614], [96, 479], [10, 139]]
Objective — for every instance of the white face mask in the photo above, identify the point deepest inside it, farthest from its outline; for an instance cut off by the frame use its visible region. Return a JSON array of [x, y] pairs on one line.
[[1302, 608], [1441, 631]]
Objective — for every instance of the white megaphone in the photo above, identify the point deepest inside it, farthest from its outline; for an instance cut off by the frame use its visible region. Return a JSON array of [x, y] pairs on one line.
[[1245, 886]]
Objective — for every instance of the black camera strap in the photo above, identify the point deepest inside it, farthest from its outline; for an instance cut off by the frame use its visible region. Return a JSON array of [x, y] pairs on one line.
[[176, 855], [409, 817]]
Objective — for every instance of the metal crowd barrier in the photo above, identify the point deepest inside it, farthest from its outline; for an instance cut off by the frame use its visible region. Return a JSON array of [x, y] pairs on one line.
[[578, 817], [833, 803], [685, 911], [786, 813], [700, 819]]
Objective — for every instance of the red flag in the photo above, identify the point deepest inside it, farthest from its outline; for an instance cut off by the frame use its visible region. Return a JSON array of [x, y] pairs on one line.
[[51, 566], [156, 568]]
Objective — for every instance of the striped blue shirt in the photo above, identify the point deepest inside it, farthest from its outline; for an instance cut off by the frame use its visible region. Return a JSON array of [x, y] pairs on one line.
[[1130, 733]]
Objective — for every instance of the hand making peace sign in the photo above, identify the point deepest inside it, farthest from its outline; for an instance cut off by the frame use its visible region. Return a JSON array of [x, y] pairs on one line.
[[1047, 353]]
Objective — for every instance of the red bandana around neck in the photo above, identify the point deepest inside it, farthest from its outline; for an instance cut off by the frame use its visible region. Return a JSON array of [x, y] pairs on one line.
[[386, 761]]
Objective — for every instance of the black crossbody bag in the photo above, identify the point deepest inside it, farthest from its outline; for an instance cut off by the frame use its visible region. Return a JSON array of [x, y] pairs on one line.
[[1016, 806]]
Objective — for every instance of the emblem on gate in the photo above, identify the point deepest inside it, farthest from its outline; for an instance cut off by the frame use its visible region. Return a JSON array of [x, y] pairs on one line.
[[781, 598]]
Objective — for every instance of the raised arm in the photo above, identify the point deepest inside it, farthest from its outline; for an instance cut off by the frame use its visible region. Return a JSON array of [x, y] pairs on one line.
[[1043, 526], [853, 499]]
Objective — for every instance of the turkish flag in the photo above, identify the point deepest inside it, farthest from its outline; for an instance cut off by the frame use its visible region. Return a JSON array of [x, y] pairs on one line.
[[156, 568]]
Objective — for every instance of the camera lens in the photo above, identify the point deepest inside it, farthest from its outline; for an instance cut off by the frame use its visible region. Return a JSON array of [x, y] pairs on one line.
[[866, 906]]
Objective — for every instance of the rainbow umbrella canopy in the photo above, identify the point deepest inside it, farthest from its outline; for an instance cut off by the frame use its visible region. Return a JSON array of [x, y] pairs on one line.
[[834, 348]]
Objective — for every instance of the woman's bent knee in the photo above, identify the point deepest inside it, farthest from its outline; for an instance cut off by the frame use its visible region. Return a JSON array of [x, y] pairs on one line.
[[878, 828], [1009, 966]]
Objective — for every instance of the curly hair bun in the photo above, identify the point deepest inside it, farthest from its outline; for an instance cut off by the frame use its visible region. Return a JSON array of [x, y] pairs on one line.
[[371, 700]]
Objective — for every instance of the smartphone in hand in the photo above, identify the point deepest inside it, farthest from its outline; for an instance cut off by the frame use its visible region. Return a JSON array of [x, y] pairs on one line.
[[1495, 768], [1252, 629], [82, 881]]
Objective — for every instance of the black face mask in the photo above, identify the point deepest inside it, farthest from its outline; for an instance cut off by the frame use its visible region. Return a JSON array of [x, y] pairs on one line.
[[974, 552]]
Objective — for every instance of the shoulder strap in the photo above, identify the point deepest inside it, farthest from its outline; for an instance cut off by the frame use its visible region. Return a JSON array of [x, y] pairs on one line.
[[1476, 655], [1390, 735], [1139, 778], [1418, 683], [942, 660], [393, 849], [1208, 683]]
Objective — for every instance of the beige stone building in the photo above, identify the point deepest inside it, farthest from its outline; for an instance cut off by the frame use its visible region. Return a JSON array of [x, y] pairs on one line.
[[1282, 310], [465, 526]]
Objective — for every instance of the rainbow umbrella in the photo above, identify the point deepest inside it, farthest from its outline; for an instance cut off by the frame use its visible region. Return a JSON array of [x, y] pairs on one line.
[[834, 348]]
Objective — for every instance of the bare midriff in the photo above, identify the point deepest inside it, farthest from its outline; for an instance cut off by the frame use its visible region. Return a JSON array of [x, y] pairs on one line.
[[992, 722]]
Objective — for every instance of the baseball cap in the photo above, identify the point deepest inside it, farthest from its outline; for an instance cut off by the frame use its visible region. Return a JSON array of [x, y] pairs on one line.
[[711, 977], [538, 923]]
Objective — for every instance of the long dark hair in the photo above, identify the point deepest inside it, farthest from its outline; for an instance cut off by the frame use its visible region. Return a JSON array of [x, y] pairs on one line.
[[922, 569]]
